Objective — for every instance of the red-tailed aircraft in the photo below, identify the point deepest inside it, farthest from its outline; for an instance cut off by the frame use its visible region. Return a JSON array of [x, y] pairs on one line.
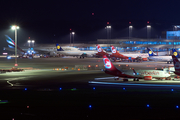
[[176, 65], [101, 52], [136, 57], [136, 75]]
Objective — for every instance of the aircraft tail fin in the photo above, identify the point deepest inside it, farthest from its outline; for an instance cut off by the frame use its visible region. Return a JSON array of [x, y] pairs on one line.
[[175, 53], [150, 52], [59, 47], [176, 63], [113, 50], [10, 41], [99, 49], [108, 64]]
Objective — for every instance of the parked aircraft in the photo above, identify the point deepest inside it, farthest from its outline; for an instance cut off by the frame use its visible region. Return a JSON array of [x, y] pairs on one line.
[[101, 52], [52, 51], [136, 75], [77, 53], [135, 57], [176, 65], [155, 57]]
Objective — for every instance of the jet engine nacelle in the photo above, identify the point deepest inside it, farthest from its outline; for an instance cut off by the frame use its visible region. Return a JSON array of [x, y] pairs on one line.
[[145, 59], [52, 54], [147, 77]]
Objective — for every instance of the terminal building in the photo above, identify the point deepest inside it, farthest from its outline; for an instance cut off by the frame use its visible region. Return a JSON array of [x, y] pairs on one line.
[[170, 40], [122, 45]]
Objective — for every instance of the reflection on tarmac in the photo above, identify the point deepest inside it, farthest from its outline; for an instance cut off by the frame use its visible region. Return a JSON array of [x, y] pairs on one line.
[[167, 84]]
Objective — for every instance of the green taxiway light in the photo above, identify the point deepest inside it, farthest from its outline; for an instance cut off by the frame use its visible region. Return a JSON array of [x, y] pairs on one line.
[[3, 101]]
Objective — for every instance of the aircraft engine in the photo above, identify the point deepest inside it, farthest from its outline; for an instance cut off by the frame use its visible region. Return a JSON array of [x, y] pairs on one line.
[[147, 77], [52, 54]]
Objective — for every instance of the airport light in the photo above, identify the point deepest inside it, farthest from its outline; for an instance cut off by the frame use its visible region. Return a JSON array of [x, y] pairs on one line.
[[31, 41], [73, 33], [70, 38], [148, 31], [15, 27], [147, 105], [130, 33], [108, 28], [177, 106]]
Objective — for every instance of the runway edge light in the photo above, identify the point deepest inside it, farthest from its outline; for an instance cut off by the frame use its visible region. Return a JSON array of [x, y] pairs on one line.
[[147, 105]]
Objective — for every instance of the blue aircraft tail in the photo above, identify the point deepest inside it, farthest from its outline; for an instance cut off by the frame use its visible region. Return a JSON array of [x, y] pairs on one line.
[[150, 52], [9, 40], [59, 47], [175, 53]]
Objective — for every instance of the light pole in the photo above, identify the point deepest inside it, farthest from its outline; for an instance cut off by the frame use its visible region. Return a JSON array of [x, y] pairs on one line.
[[31, 41], [70, 36], [148, 31], [175, 28], [73, 37], [130, 33], [15, 27], [108, 28]]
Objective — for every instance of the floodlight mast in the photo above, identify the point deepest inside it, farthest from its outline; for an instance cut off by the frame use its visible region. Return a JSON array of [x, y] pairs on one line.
[[15, 27]]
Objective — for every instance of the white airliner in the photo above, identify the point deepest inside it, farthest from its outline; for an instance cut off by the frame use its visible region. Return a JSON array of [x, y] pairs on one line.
[[124, 55], [132, 56], [136, 75], [74, 52], [154, 57], [52, 50]]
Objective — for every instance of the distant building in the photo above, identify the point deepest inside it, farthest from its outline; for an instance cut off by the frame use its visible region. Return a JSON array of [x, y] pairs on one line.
[[173, 35]]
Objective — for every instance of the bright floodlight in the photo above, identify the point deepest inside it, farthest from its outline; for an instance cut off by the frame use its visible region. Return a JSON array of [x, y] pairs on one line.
[[108, 26], [73, 33], [148, 26], [33, 41], [29, 41], [15, 27], [130, 26]]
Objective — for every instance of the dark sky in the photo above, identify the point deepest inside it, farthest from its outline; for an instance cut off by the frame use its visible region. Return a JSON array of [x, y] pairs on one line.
[[49, 21]]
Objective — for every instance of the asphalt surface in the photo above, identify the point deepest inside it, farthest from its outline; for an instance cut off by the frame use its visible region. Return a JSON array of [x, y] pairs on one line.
[[44, 92]]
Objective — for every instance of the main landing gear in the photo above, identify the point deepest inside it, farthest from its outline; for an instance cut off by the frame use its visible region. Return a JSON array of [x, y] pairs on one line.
[[136, 79]]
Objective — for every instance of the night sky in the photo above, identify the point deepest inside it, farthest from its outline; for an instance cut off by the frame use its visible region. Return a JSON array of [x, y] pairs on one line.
[[50, 21]]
